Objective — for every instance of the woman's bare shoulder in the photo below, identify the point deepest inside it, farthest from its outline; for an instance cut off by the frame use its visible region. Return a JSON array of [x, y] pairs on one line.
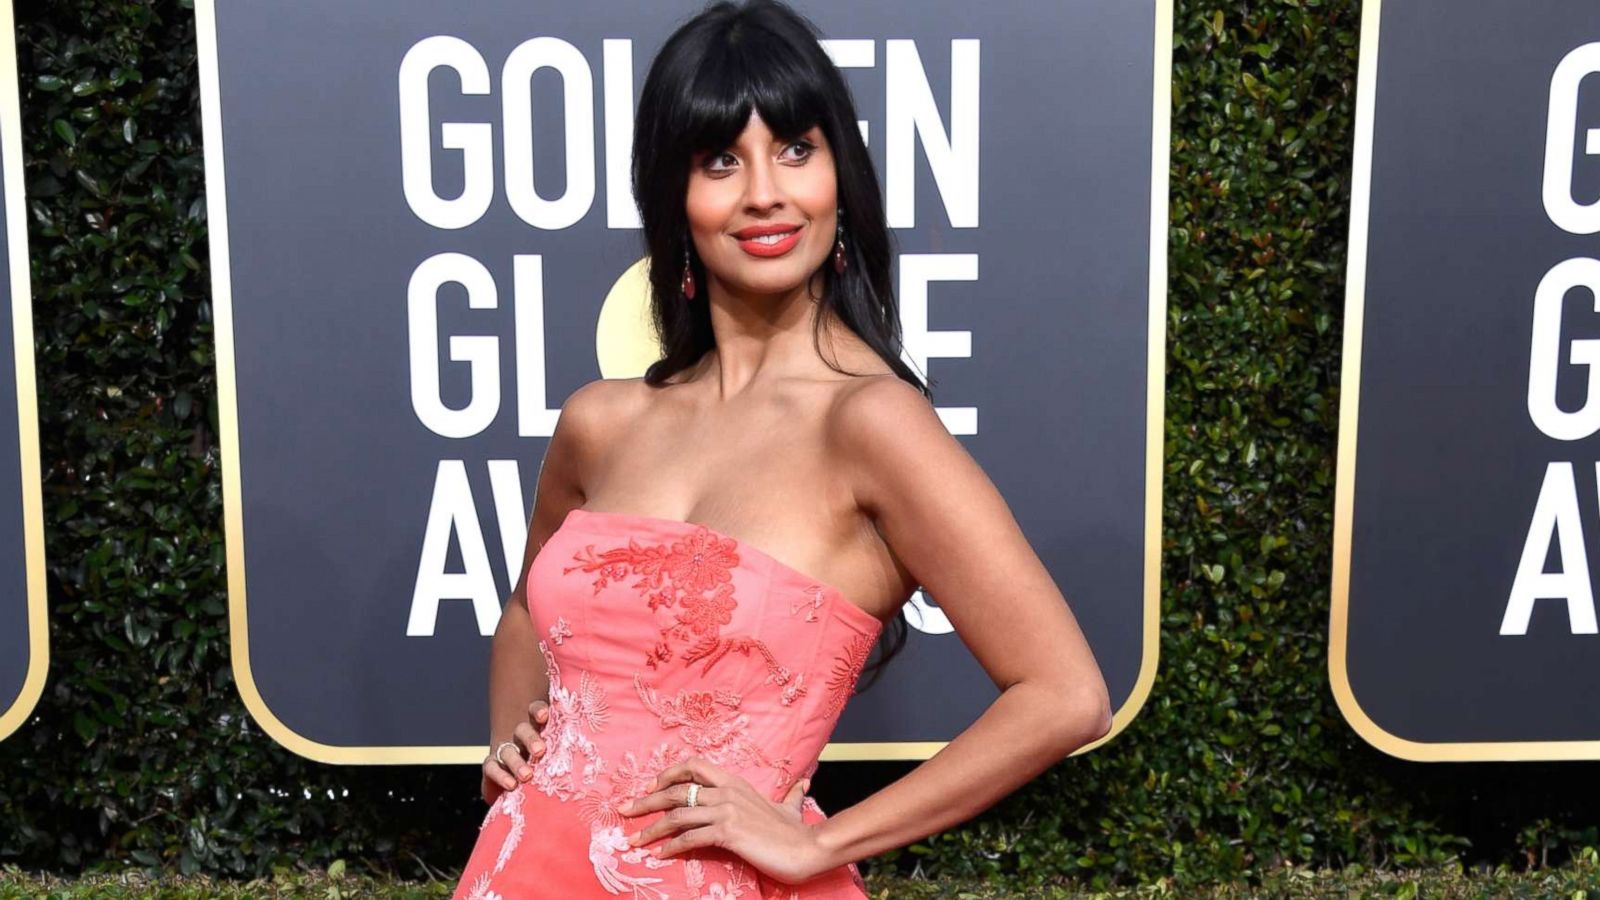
[[877, 408], [599, 404]]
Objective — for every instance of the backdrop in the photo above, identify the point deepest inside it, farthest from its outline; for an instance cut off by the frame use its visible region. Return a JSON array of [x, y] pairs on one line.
[[1463, 613], [423, 240]]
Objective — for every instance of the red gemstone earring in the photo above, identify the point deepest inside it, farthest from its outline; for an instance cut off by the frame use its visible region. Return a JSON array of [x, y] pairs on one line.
[[688, 275]]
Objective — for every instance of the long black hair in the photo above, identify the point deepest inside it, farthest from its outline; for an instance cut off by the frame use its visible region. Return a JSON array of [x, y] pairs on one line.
[[698, 95]]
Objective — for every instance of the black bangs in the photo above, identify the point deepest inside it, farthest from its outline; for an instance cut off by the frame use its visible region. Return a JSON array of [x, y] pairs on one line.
[[755, 69]]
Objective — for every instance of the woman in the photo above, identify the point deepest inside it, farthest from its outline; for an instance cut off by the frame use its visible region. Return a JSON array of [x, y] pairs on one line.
[[715, 546]]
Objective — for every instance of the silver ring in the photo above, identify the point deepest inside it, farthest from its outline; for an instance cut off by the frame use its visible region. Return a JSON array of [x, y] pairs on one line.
[[694, 793], [502, 746]]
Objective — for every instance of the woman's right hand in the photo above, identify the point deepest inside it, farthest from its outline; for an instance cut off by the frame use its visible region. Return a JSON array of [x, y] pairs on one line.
[[502, 775]]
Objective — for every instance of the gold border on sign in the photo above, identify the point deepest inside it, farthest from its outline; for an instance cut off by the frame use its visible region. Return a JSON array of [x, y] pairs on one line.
[[1345, 487], [228, 412], [27, 390]]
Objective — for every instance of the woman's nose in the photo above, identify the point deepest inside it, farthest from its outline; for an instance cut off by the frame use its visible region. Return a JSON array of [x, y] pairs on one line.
[[762, 189]]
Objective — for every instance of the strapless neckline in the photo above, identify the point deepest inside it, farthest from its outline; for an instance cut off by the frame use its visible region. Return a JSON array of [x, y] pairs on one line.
[[834, 596]]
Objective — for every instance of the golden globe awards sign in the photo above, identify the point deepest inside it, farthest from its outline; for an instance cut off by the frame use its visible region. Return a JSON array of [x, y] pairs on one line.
[[423, 240], [1464, 619], [24, 653]]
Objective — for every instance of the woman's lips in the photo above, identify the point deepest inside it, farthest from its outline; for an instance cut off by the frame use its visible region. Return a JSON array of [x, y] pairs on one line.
[[767, 251]]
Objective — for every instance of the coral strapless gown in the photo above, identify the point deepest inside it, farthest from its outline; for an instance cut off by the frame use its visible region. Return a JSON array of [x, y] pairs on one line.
[[664, 640]]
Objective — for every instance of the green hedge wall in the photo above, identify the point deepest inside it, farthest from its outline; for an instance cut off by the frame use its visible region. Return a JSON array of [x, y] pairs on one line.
[[141, 753]]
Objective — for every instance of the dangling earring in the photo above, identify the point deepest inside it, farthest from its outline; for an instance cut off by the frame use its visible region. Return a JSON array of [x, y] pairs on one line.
[[838, 249], [688, 275]]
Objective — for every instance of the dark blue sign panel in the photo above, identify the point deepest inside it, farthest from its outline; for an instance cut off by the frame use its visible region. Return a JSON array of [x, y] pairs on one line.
[[24, 637], [1468, 518], [423, 240]]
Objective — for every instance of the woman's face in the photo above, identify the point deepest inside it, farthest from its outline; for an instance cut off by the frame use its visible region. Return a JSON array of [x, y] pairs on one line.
[[761, 184]]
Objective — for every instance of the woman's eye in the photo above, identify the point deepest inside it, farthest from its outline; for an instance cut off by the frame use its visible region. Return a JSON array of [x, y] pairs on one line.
[[712, 160], [807, 146]]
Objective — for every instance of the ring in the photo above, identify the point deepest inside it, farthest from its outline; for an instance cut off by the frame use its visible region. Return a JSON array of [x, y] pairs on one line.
[[502, 746], [694, 793]]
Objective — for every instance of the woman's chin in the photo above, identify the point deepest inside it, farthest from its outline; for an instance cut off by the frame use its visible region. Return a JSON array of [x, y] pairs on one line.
[[792, 279]]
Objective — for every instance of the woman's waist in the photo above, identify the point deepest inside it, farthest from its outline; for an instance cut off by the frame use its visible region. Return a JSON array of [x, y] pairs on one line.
[[623, 759]]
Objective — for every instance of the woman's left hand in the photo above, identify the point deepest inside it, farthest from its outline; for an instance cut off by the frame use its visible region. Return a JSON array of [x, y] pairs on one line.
[[730, 813]]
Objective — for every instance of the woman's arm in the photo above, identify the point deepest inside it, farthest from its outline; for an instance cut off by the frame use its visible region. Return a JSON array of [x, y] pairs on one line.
[[517, 677], [947, 522]]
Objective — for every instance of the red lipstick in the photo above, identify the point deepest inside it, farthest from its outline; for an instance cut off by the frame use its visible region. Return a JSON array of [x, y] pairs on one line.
[[747, 238]]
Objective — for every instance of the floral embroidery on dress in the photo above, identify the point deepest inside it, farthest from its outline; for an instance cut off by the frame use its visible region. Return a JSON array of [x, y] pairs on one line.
[[708, 613], [604, 843], [709, 724], [846, 669], [572, 714], [739, 881], [509, 803], [810, 605], [794, 690], [480, 889], [513, 808], [560, 630], [692, 578]]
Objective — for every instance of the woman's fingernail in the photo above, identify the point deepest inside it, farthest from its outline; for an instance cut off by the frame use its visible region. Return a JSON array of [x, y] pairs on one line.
[[525, 773], [633, 839]]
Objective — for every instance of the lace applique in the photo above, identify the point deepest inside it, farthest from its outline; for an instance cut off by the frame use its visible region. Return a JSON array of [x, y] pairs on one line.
[[846, 669], [794, 690], [709, 724], [572, 715], [788, 778], [810, 605], [604, 843], [794, 686], [692, 579], [633, 779], [560, 630], [707, 614], [699, 563], [738, 881], [509, 803]]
